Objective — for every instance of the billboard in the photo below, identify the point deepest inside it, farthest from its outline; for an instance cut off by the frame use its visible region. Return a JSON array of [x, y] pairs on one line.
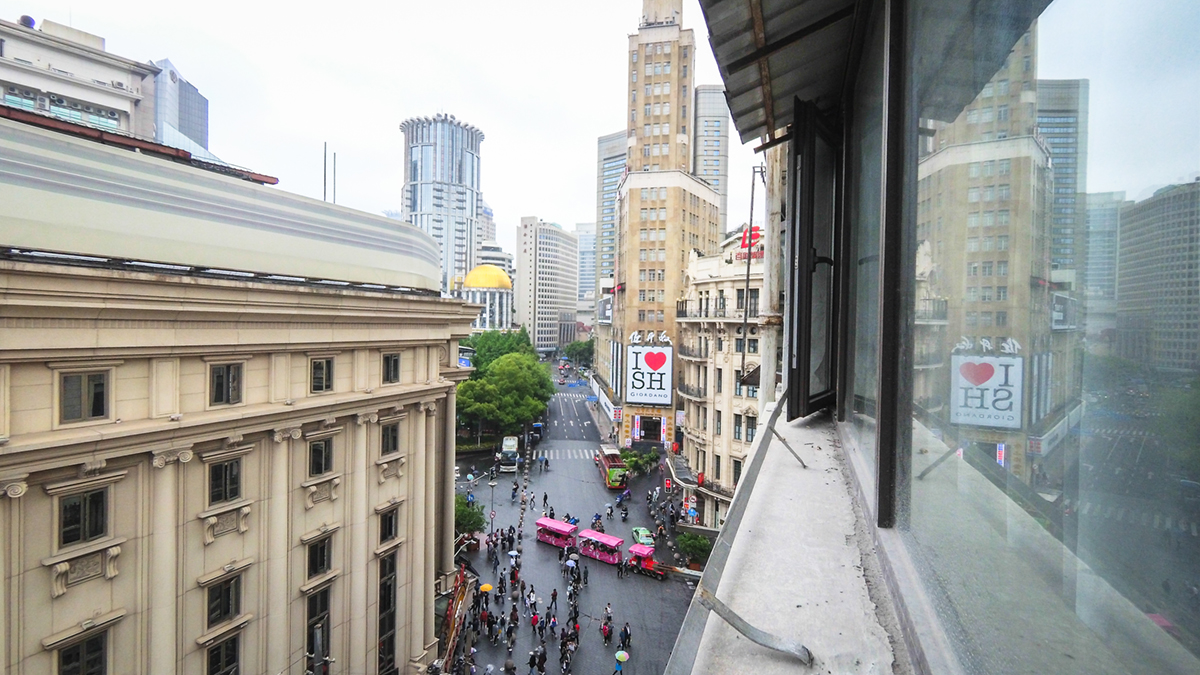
[[649, 371], [604, 310], [986, 391], [1064, 312]]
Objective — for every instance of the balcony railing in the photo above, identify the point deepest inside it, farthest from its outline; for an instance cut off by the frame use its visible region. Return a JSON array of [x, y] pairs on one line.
[[693, 352], [931, 310], [693, 391]]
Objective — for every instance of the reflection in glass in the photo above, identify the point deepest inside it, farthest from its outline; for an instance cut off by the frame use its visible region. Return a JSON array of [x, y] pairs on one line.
[[1054, 511]]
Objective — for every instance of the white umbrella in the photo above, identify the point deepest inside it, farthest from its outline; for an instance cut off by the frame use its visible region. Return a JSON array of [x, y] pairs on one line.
[[574, 556], [512, 554], [570, 563]]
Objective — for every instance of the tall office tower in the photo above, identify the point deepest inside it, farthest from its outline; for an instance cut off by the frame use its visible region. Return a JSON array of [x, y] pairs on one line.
[[661, 57], [585, 233], [1062, 122], [1158, 312], [442, 189], [663, 213], [1103, 231], [180, 111], [986, 197], [610, 169], [490, 253], [710, 142], [547, 283], [487, 224]]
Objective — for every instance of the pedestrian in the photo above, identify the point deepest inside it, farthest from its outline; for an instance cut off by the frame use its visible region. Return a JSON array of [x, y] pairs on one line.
[[533, 621], [532, 663], [561, 554], [617, 668], [608, 612], [620, 571], [542, 628], [626, 637], [553, 600], [552, 512], [606, 633], [495, 564], [541, 661], [545, 500], [553, 626], [585, 575]]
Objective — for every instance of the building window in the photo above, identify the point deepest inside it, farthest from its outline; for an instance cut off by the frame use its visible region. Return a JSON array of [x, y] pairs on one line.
[[320, 557], [717, 422], [225, 481], [389, 525], [716, 467], [223, 657], [320, 457], [322, 375], [737, 427], [83, 517], [720, 378], [83, 396], [86, 657], [387, 614], [318, 624], [224, 601], [739, 345], [391, 368], [753, 345], [225, 381], [389, 439], [751, 427]]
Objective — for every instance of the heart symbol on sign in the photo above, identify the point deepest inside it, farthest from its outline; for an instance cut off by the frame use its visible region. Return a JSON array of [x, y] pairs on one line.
[[977, 373], [655, 360]]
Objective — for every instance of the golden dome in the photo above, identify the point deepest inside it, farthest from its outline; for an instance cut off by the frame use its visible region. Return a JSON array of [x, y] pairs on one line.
[[487, 276]]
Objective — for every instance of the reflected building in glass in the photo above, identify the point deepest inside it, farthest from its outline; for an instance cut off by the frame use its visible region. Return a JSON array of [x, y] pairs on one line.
[[442, 190], [986, 207]]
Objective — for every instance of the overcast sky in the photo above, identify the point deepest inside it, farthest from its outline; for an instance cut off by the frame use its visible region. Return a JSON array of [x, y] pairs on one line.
[[544, 79], [541, 79]]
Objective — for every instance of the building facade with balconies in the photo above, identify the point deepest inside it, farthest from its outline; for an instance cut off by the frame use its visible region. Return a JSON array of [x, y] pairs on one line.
[[719, 333]]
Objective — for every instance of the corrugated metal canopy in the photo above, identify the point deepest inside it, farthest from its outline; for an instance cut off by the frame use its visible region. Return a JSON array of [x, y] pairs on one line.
[[771, 51]]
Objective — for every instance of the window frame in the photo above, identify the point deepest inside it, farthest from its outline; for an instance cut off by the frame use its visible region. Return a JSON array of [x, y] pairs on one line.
[[324, 543], [59, 505], [234, 462], [228, 367], [328, 459], [327, 377], [80, 643], [229, 596], [221, 650], [110, 398], [383, 367]]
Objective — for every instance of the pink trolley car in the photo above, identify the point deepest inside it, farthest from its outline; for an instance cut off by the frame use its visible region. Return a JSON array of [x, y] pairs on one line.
[[602, 547], [556, 532]]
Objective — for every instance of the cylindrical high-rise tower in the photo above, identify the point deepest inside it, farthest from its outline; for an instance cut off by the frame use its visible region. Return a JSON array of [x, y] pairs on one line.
[[442, 190]]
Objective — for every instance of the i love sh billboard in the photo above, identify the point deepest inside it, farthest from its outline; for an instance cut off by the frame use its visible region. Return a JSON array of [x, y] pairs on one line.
[[648, 375], [986, 391]]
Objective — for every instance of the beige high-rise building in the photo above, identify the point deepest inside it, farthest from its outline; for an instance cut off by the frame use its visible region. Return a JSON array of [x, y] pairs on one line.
[[664, 212], [547, 283], [223, 448]]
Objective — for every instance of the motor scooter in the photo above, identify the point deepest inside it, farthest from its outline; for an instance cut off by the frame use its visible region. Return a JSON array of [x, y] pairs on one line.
[[624, 513]]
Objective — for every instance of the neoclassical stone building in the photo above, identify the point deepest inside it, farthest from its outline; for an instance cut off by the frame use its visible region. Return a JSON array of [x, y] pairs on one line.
[[239, 470]]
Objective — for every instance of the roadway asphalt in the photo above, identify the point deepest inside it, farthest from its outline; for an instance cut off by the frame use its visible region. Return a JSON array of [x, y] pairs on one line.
[[654, 609]]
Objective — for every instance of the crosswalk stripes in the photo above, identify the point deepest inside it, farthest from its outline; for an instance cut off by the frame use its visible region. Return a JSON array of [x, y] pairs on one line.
[[1118, 431], [572, 396], [567, 453], [1136, 517]]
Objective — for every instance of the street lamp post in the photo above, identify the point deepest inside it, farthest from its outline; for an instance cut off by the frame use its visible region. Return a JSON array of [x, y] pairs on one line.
[[492, 510]]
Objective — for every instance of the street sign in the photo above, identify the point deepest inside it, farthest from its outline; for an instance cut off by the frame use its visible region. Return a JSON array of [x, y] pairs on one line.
[[692, 513], [592, 399], [692, 501], [629, 442], [668, 484], [493, 515]]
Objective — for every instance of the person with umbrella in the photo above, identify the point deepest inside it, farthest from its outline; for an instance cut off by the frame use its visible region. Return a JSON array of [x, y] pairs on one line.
[[622, 657]]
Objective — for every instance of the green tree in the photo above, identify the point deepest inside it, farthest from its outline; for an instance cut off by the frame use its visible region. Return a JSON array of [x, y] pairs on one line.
[[468, 518], [478, 404], [522, 387], [491, 345], [1181, 426], [580, 352], [696, 547]]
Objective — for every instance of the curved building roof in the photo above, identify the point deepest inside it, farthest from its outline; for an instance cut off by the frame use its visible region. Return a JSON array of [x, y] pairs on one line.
[[487, 276]]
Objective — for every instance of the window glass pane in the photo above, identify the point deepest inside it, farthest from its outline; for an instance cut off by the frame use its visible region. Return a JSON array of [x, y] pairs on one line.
[[97, 401], [1055, 444]]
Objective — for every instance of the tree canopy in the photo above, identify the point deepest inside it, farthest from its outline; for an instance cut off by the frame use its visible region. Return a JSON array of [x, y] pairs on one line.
[[580, 352], [512, 392], [491, 345], [468, 518]]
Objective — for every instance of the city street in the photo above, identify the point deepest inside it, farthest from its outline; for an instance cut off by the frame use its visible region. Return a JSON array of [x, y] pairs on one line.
[[653, 609]]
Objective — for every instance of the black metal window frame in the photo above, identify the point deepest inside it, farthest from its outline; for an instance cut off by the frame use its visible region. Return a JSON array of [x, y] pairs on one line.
[[321, 375], [223, 657], [225, 481], [224, 600], [84, 396], [88, 656], [225, 384], [83, 517], [387, 614], [320, 457], [391, 368], [389, 525], [320, 556], [389, 439]]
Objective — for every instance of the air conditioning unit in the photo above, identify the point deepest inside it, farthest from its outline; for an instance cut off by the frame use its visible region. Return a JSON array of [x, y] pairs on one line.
[[112, 114], [118, 85]]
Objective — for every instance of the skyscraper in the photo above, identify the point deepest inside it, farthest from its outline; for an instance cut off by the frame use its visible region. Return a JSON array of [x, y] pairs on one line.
[[610, 168], [547, 283], [1158, 312], [710, 143], [442, 189], [1103, 231], [180, 112], [1062, 122], [585, 233], [663, 213], [487, 225]]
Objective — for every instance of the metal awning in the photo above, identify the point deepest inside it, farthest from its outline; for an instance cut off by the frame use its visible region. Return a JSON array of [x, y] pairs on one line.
[[771, 51]]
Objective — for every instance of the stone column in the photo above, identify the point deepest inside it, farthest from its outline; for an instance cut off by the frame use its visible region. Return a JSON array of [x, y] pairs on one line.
[[13, 487], [278, 632], [416, 499], [448, 459], [431, 438], [359, 543], [164, 560]]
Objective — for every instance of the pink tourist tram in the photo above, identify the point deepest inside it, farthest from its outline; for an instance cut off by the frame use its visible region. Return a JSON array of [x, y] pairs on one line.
[[602, 547], [556, 532], [641, 560]]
